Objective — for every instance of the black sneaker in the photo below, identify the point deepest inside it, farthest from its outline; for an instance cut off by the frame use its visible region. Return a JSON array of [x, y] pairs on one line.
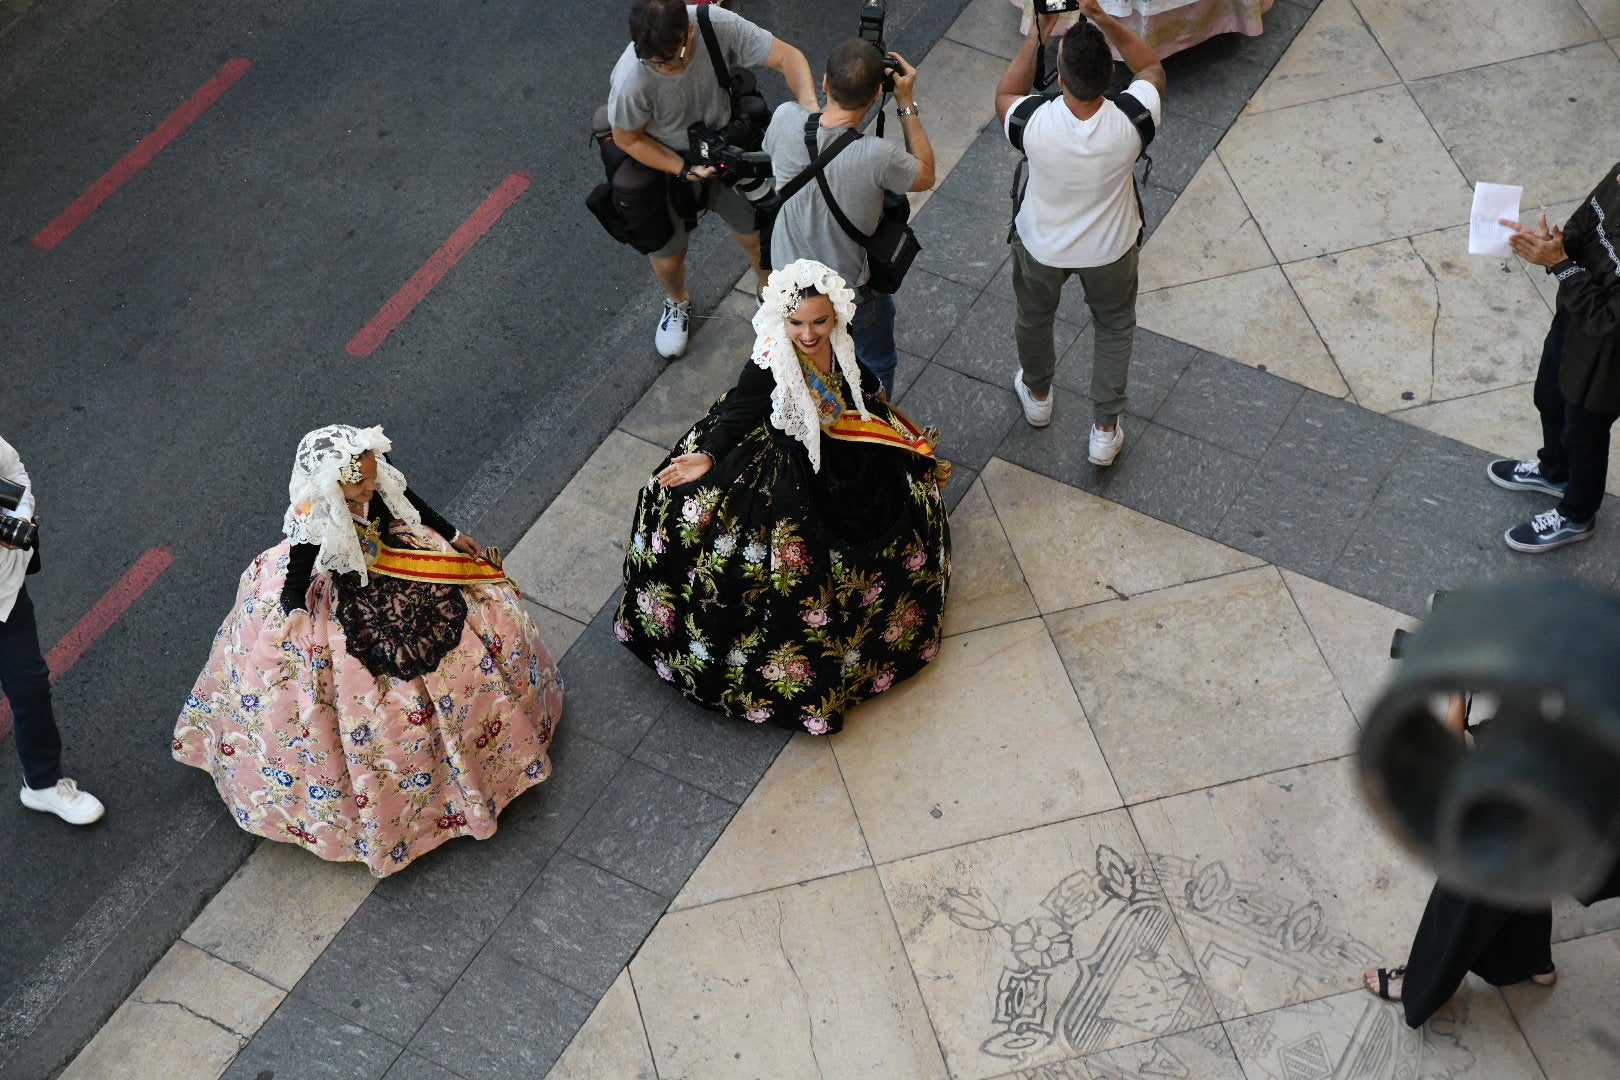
[[1547, 531], [1521, 476]]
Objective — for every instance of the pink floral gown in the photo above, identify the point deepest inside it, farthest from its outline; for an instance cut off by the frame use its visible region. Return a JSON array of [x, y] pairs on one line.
[[307, 745]]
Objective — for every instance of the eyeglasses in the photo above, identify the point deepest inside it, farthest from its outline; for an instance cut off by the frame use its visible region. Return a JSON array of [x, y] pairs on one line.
[[668, 60]]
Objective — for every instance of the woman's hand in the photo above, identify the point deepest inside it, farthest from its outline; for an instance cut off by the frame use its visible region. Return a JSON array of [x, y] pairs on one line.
[[685, 469], [298, 628], [468, 546]]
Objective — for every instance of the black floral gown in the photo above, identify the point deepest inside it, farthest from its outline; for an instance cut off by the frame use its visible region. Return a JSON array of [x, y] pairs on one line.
[[781, 595]]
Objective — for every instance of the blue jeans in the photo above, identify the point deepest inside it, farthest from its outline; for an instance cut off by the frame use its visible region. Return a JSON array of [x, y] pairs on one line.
[[26, 681], [873, 331]]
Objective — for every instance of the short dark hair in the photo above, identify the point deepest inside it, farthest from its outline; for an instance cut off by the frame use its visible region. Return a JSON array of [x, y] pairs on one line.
[[854, 73], [1086, 62], [658, 27]]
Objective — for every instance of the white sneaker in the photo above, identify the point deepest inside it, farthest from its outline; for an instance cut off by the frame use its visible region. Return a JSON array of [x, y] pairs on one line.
[[1038, 411], [671, 336], [66, 801], [1106, 445]]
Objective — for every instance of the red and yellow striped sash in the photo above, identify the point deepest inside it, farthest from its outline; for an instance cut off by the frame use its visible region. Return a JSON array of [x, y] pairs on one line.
[[437, 567], [900, 431]]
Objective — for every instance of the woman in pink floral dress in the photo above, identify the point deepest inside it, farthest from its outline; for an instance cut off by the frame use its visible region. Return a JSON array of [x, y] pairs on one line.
[[377, 688]]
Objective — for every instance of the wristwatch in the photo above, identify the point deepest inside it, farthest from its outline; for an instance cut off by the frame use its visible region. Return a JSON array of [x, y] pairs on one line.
[[907, 110]]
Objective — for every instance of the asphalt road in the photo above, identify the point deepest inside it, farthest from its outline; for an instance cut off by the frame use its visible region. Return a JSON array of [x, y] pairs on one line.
[[158, 366]]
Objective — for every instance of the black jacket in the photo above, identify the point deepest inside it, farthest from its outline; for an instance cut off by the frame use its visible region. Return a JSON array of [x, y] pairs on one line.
[[1589, 289], [301, 560]]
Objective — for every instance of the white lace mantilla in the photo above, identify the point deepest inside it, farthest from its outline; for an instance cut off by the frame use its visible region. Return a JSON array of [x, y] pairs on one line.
[[793, 407], [316, 512]]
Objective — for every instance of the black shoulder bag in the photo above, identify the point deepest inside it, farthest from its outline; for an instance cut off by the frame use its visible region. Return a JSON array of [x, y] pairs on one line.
[[1134, 111], [766, 209], [891, 248]]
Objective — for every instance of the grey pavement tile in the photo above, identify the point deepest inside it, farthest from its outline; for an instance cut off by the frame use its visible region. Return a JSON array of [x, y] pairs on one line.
[[906, 371], [612, 697], [1180, 148], [927, 310], [1228, 404], [1440, 485], [1177, 478], [411, 1067], [581, 769], [1398, 562], [962, 478], [722, 756], [1325, 437], [1059, 449], [972, 416], [1210, 84], [1156, 202], [1299, 521], [469, 885], [578, 925], [388, 969], [650, 828], [984, 344], [502, 1020], [962, 241], [305, 1041], [1156, 365], [984, 175]]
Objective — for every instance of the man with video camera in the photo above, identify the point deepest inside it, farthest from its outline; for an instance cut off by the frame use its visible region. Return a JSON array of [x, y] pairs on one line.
[[1079, 215], [856, 178], [24, 679], [669, 96]]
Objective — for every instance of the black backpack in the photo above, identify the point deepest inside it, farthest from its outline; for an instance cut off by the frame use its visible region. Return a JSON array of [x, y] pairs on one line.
[[1134, 111]]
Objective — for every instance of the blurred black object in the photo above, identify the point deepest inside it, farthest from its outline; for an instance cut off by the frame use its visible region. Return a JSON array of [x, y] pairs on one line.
[[1534, 810]]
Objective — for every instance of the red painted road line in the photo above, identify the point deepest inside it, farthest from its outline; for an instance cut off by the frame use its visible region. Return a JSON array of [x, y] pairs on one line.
[[403, 302], [144, 151], [99, 619]]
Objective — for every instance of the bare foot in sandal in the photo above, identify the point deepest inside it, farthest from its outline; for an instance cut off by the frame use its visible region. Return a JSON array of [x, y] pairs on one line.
[[1546, 978], [1385, 982]]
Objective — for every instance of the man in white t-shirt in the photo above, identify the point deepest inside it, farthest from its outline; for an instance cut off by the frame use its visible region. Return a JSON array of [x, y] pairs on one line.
[[664, 82], [1079, 215]]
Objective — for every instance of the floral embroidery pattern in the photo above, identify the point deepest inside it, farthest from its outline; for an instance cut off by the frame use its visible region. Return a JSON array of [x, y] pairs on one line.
[[781, 595]]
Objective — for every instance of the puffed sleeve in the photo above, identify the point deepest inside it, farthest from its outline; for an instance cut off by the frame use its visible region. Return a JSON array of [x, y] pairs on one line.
[[744, 409]]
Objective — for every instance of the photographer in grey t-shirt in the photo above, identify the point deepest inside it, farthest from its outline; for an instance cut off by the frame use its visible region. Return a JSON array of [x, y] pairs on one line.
[[663, 83], [806, 229]]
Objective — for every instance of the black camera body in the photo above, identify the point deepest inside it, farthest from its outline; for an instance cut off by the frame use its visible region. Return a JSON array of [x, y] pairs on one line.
[[873, 14], [1056, 7], [15, 531], [749, 171], [1399, 642]]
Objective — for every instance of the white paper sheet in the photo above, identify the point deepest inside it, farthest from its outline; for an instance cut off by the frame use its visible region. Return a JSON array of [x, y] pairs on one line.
[[1492, 201]]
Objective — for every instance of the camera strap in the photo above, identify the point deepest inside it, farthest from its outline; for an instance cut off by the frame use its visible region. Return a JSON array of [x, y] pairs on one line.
[[844, 223], [722, 70], [818, 160]]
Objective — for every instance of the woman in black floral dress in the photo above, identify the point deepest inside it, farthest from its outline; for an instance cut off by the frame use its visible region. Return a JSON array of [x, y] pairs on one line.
[[790, 558]]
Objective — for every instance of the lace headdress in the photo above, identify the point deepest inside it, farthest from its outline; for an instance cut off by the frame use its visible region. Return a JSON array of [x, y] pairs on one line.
[[793, 408], [316, 512]]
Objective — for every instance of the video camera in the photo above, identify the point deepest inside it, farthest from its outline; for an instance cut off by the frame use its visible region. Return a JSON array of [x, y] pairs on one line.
[[749, 171], [873, 12], [1056, 7], [15, 531], [1399, 642]]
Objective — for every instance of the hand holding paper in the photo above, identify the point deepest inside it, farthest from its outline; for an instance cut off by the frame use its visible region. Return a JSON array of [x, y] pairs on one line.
[[1492, 202]]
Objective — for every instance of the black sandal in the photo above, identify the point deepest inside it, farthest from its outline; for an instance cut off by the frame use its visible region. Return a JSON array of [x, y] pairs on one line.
[[1384, 977]]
